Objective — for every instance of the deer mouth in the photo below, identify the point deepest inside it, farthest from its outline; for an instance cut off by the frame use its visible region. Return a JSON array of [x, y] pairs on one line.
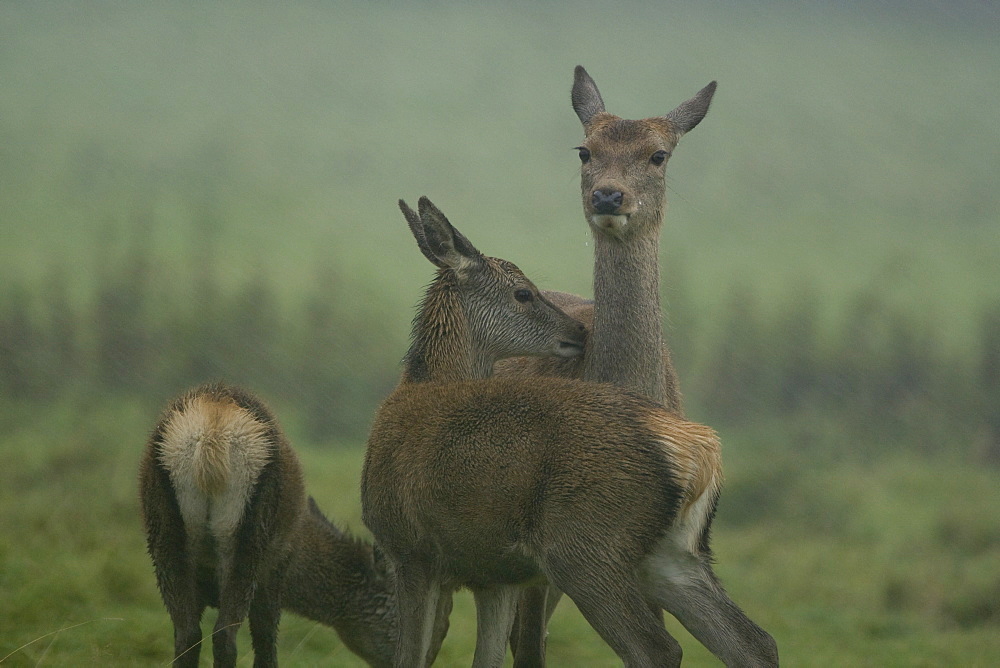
[[610, 223], [569, 349]]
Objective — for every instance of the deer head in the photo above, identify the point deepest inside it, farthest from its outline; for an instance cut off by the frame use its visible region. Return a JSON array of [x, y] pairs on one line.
[[488, 307], [624, 161]]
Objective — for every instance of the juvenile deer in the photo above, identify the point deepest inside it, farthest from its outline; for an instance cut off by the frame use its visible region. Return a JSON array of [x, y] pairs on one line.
[[623, 187], [228, 525], [497, 483]]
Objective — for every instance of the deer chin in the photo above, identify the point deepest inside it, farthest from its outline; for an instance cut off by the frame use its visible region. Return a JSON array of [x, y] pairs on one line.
[[614, 224]]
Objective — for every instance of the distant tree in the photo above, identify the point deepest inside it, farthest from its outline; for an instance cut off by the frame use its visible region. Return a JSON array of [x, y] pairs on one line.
[[795, 354], [122, 352], [253, 339], [989, 383], [344, 365], [733, 379], [858, 368], [201, 340], [19, 345], [63, 354]]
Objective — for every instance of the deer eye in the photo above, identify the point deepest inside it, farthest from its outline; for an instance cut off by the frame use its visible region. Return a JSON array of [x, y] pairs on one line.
[[584, 154], [524, 296], [659, 157]]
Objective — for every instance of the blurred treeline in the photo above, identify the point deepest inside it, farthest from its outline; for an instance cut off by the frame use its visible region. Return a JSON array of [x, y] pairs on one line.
[[190, 192], [872, 373], [146, 333]]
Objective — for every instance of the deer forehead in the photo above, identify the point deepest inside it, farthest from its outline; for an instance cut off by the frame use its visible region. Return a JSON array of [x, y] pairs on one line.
[[611, 137], [504, 273], [506, 267]]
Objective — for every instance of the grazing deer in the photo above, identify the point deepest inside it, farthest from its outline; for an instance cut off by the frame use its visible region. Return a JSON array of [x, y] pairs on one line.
[[497, 483], [623, 187], [228, 525]]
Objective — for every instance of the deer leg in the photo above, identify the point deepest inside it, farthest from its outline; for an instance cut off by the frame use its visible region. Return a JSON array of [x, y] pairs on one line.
[[168, 542], [495, 608], [612, 602], [264, 616], [527, 640], [624, 620], [179, 588], [444, 604], [418, 591], [185, 612], [685, 585], [235, 592], [241, 572], [249, 570]]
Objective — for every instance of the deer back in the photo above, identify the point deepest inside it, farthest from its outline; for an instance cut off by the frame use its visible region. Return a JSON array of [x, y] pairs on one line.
[[524, 459]]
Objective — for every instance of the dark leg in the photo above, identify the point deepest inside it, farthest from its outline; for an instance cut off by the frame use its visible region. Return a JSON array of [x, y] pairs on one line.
[[624, 620], [690, 591], [167, 541], [495, 608], [187, 636], [180, 595], [253, 565], [444, 604], [527, 638], [265, 614], [611, 600], [417, 594]]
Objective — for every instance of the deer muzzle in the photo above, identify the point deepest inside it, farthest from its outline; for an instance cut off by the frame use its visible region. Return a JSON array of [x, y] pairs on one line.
[[606, 201]]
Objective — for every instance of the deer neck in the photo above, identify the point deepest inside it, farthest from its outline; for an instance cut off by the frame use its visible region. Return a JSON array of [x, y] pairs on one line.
[[441, 350], [626, 342]]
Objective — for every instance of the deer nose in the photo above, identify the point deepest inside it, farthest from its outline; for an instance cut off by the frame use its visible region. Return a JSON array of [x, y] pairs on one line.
[[606, 201]]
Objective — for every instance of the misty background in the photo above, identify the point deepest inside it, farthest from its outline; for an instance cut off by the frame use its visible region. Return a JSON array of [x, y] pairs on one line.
[[195, 191]]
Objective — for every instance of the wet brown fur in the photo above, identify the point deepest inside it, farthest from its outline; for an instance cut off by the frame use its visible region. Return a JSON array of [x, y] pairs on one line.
[[626, 345], [500, 482], [285, 552]]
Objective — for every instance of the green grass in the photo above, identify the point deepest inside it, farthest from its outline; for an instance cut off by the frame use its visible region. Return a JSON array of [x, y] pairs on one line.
[[891, 562]]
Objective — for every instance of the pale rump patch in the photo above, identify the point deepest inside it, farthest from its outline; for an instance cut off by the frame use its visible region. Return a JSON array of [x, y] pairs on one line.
[[696, 453], [214, 451]]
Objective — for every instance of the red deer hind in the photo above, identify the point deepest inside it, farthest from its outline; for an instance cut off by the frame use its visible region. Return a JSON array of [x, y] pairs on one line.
[[623, 186], [499, 483]]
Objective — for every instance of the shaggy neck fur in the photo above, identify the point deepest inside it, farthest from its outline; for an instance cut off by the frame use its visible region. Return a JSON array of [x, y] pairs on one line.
[[440, 348]]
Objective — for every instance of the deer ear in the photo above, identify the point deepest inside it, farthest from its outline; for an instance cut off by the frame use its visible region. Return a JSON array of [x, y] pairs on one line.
[[417, 229], [445, 246], [586, 99], [688, 114]]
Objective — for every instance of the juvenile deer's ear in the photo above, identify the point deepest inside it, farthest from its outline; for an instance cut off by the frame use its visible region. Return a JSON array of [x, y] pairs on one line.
[[445, 246], [417, 229], [586, 99], [689, 113]]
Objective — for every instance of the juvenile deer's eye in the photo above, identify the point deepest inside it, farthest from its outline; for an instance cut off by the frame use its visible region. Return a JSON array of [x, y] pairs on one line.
[[584, 154], [524, 296], [658, 157]]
